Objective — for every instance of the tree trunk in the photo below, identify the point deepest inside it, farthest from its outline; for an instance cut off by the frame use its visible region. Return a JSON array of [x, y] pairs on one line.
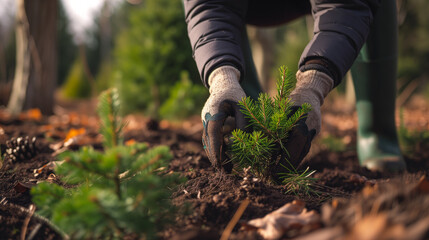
[[35, 73]]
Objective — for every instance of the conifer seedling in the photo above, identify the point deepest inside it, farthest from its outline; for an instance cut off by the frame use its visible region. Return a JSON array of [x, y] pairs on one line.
[[117, 193], [271, 120]]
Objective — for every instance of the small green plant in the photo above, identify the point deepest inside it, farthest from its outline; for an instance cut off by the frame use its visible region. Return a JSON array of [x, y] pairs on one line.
[[272, 119], [77, 85], [120, 192], [150, 54]]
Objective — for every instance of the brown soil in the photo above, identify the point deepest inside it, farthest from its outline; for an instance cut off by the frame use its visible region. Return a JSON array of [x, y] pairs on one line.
[[212, 196]]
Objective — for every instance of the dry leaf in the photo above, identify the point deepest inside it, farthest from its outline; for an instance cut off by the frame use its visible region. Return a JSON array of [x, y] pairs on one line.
[[369, 190], [23, 187], [375, 227], [74, 132], [33, 114], [423, 185], [130, 142], [332, 233], [289, 217]]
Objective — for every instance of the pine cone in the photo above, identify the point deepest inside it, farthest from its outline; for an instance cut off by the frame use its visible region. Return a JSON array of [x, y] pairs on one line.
[[20, 149]]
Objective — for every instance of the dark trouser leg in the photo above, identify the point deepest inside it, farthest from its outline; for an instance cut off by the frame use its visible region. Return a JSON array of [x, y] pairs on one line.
[[374, 77], [250, 83]]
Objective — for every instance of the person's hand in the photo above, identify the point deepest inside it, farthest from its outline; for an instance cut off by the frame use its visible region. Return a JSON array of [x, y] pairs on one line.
[[297, 146], [312, 87], [225, 92], [299, 142]]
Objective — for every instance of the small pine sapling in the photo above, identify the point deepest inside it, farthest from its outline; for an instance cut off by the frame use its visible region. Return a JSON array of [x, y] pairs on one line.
[[120, 192], [271, 120]]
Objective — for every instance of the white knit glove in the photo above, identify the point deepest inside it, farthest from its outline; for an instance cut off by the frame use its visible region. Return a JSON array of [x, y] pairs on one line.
[[225, 92], [312, 87]]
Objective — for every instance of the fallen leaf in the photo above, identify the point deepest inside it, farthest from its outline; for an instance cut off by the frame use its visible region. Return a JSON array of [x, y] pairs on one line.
[[418, 229], [369, 190], [334, 203], [45, 128], [34, 114], [74, 132], [23, 187], [423, 185], [130, 142], [332, 233], [292, 216], [374, 227]]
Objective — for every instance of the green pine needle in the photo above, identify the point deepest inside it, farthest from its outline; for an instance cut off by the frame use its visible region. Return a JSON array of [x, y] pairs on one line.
[[299, 182], [111, 124]]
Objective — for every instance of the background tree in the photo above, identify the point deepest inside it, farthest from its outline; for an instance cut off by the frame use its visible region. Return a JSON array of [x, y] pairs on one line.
[[67, 48], [150, 55], [36, 72], [95, 51]]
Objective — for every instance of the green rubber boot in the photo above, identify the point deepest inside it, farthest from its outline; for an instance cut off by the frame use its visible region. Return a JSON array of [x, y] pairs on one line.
[[374, 78]]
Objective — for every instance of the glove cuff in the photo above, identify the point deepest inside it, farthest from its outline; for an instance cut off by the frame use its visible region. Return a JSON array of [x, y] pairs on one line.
[[312, 87], [224, 85], [224, 77], [317, 81]]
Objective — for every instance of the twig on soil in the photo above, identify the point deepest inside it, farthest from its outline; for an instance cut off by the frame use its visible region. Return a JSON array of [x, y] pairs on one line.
[[227, 232], [27, 221], [34, 231]]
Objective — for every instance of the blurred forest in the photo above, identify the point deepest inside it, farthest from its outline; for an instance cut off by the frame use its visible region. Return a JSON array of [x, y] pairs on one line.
[[141, 47]]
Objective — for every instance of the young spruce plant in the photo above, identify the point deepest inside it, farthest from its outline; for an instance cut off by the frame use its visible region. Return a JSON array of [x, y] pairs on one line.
[[120, 192], [271, 120]]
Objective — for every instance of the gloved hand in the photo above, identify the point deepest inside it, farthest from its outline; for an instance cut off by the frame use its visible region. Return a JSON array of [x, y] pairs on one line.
[[225, 92], [297, 146], [312, 87]]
